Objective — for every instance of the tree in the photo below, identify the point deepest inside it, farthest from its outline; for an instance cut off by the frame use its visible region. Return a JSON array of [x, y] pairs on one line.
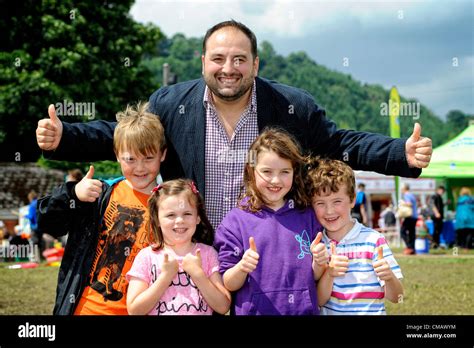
[[54, 51], [183, 55], [457, 121]]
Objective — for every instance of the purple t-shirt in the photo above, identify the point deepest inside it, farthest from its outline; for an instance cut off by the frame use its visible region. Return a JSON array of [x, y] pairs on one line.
[[283, 282]]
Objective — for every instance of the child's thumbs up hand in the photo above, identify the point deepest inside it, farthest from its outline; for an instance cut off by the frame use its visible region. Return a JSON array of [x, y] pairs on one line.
[[381, 266], [339, 263], [88, 189], [250, 258], [319, 251], [192, 264], [169, 267]]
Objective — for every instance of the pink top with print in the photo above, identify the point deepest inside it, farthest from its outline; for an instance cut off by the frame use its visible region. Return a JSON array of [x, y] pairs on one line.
[[182, 297]]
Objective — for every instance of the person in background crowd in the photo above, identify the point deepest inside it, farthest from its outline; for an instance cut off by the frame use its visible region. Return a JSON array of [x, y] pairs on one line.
[[465, 218], [36, 235], [74, 175], [408, 230], [437, 216], [359, 211], [387, 217]]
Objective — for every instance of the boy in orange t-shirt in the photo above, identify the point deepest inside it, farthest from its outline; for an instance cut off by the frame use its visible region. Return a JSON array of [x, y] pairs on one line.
[[106, 221]]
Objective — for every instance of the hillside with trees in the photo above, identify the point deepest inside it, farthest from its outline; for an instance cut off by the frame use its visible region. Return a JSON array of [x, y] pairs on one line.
[[348, 102], [55, 51]]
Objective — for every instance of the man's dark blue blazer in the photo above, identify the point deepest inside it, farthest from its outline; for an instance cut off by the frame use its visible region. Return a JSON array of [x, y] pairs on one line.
[[183, 115]]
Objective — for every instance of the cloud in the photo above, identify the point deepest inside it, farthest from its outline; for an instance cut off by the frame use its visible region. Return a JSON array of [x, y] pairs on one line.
[[406, 43], [448, 88]]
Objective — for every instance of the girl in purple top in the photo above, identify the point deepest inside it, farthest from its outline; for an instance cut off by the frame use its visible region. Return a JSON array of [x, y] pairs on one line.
[[179, 272], [269, 250]]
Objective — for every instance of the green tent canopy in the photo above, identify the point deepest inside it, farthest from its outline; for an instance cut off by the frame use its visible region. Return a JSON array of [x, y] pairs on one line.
[[455, 159]]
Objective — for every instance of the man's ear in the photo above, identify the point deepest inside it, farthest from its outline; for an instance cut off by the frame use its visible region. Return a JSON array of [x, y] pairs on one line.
[[256, 65], [202, 64], [163, 155]]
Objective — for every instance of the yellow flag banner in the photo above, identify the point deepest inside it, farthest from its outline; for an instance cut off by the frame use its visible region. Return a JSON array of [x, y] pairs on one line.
[[394, 110]]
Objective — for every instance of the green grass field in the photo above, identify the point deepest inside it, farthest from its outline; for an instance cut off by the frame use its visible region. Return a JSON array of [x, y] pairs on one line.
[[441, 283]]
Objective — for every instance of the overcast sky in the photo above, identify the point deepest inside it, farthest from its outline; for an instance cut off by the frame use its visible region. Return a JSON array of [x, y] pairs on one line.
[[425, 48]]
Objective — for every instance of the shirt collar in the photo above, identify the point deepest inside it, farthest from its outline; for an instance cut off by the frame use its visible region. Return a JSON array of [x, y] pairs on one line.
[[352, 234]]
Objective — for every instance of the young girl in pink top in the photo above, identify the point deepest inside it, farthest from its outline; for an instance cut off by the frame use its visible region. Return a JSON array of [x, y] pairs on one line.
[[179, 272]]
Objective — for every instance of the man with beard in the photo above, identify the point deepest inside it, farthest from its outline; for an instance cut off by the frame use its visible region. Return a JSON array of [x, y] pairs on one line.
[[211, 122]]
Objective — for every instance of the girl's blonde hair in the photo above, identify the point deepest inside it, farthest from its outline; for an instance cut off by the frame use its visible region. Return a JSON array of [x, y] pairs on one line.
[[204, 231], [139, 131], [285, 146]]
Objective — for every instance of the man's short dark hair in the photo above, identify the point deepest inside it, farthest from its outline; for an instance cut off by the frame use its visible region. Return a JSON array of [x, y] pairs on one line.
[[236, 25]]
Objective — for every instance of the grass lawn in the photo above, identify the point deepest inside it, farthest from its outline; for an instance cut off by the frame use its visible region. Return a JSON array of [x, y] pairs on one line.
[[27, 291], [440, 283]]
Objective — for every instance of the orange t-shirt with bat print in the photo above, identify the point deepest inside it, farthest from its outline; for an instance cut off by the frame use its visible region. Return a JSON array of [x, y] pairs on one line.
[[122, 236]]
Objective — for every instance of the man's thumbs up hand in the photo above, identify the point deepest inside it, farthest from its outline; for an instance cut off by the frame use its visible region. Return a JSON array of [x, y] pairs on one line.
[[250, 259], [88, 189], [319, 251], [49, 131], [418, 149]]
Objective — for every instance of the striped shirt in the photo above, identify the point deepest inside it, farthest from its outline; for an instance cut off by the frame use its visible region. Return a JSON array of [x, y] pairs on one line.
[[225, 158], [359, 291]]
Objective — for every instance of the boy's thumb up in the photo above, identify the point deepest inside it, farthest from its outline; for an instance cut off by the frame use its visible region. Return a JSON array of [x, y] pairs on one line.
[[90, 173], [333, 253], [379, 253], [253, 247], [198, 254], [333, 249], [317, 240]]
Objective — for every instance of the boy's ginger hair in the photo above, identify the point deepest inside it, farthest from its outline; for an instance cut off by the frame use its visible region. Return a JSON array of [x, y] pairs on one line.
[[326, 176], [139, 131]]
